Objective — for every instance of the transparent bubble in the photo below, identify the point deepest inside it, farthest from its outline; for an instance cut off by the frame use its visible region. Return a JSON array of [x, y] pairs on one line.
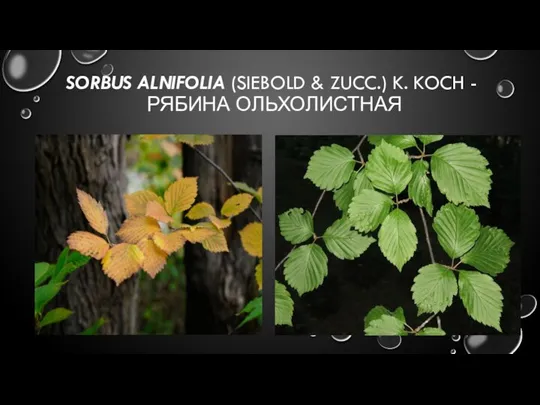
[[480, 55], [389, 342], [36, 99], [107, 69], [505, 88], [25, 71], [341, 338], [312, 336], [492, 344], [88, 57], [453, 351], [528, 305], [26, 113], [456, 338]]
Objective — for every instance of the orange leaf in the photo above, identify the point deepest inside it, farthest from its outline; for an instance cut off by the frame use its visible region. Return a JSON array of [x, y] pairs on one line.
[[88, 244], [122, 261], [136, 202], [181, 195], [170, 242], [154, 258], [135, 229], [200, 210], [93, 211], [252, 239], [198, 233], [220, 223], [155, 210], [236, 204], [216, 243]]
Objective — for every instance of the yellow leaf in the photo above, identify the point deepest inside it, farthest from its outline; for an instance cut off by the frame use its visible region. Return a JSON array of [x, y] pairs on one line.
[[181, 195], [122, 261], [200, 210], [88, 244], [135, 229], [259, 274], [136, 202], [252, 239], [155, 210], [198, 233], [154, 258], [259, 192], [170, 242], [170, 148], [220, 223], [194, 140], [177, 173], [216, 243], [236, 204], [153, 137], [93, 211]]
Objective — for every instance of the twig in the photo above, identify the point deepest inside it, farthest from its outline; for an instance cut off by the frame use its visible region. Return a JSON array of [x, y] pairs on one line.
[[424, 323], [419, 156], [224, 174], [406, 200], [426, 231], [456, 265]]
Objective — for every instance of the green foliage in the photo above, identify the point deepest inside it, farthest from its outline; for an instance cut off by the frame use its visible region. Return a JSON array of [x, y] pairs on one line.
[[93, 330], [284, 305], [369, 195], [253, 310]]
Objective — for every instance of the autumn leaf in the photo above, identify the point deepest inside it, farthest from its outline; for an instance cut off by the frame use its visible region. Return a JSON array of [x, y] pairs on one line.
[[136, 202], [122, 261], [259, 193], [252, 239], [154, 258], [94, 212], [220, 223], [181, 195], [135, 229], [200, 210], [88, 244], [152, 137], [259, 274], [194, 140], [198, 233], [170, 148], [216, 243], [155, 210], [170, 242], [236, 204]]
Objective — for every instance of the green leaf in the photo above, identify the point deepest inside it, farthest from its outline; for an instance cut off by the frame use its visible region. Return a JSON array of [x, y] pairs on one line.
[[92, 330], [283, 304], [369, 209], [330, 167], [397, 238], [461, 174], [44, 294], [67, 269], [253, 309], [296, 225], [427, 139], [378, 311], [491, 253], [345, 243], [306, 268], [42, 271], [55, 316], [62, 260], [431, 332], [77, 259], [457, 229], [401, 141], [247, 189], [386, 325], [420, 186], [434, 289], [481, 297], [389, 168], [344, 195], [362, 182]]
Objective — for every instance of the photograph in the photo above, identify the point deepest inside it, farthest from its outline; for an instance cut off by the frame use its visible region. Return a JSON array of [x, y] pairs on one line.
[[148, 234], [397, 235]]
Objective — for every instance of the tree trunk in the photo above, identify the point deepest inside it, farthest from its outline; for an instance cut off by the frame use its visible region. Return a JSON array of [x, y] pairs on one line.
[[95, 164], [218, 285]]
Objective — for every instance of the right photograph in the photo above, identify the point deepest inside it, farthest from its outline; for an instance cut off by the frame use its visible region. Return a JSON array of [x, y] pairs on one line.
[[398, 235]]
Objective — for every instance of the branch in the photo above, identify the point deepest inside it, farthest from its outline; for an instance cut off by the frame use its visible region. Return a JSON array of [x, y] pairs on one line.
[[424, 323], [426, 231], [356, 149], [224, 174]]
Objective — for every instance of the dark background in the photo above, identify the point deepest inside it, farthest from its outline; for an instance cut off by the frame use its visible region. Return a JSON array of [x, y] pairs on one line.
[[353, 287]]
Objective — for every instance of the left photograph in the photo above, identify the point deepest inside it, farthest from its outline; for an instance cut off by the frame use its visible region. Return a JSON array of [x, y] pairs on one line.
[[148, 234]]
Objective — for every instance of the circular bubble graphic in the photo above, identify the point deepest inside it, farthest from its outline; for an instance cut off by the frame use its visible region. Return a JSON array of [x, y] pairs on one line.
[[389, 342], [87, 57], [25, 71], [480, 55], [492, 344]]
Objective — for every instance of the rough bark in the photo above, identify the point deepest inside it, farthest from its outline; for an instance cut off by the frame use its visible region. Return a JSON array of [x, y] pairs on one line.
[[95, 164], [219, 285]]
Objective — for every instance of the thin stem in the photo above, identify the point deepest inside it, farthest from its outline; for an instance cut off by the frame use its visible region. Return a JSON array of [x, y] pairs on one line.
[[318, 203], [424, 323], [406, 200], [419, 156], [283, 260], [456, 265], [426, 231], [224, 174], [452, 265], [411, 329]]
